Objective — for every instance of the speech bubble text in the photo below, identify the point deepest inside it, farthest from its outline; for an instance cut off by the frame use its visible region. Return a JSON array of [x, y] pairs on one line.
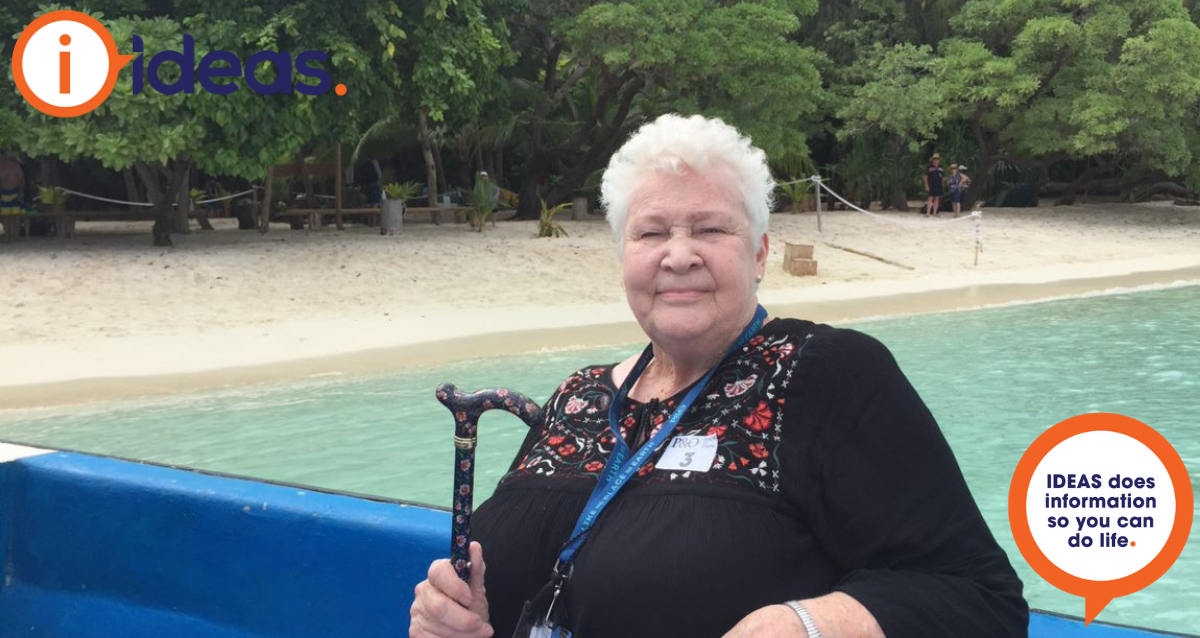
[[1100, 506]]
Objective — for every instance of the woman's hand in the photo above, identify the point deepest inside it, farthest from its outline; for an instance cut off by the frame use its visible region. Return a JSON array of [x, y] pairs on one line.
[[446, 607], [774, 621]]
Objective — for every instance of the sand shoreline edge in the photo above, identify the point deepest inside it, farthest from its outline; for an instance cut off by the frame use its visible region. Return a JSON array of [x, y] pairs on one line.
[[508, 342]]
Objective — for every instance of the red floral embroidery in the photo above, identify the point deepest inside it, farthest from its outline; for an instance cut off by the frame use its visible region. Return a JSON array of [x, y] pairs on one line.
[[574, 405], [741, 412], [738, 388], [760, 418]]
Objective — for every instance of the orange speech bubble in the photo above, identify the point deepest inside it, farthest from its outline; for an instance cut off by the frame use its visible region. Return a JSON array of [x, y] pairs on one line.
[[116, 62], [1098, 593]]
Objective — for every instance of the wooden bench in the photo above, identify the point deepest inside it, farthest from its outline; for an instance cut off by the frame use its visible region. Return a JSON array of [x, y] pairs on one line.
[[64, 224], [316, 215]]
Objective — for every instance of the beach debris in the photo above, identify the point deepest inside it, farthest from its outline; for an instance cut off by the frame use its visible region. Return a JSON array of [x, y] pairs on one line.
[[868, 255]]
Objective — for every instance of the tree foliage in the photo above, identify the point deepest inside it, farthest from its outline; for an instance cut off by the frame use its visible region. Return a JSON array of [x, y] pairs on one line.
[[1096, 81], [240, 134], [541, 92]]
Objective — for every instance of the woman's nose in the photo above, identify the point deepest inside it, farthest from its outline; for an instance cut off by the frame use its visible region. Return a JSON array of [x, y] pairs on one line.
[[681, 255]]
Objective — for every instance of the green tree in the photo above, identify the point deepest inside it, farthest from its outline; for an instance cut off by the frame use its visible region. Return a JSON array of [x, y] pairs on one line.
[[893, 96], [593, 67], [162, 137], [1102, 81], [451, 63], [887, 100]]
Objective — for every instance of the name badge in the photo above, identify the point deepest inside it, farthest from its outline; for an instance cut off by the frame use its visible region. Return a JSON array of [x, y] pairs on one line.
[[689, 454]]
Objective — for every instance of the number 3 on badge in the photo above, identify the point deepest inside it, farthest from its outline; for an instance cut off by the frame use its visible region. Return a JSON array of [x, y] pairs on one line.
[[689, 453]]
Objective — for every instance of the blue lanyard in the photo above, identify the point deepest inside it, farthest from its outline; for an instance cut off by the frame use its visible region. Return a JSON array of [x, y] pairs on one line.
[[618, 470]]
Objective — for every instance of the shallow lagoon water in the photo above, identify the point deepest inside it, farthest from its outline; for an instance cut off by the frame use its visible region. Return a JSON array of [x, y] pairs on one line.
[[995, 379]]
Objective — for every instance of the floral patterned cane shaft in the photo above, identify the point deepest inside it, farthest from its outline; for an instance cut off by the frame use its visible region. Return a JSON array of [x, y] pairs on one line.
[[467, 409]]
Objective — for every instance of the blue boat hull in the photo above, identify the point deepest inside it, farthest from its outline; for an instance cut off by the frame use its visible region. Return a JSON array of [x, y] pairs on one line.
[[95, 547]]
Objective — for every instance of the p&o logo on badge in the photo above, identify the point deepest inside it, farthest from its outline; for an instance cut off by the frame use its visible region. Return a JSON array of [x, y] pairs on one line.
[[66, 63]]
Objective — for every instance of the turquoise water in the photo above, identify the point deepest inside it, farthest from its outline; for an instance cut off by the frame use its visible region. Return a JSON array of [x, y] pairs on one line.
[[995, 379]]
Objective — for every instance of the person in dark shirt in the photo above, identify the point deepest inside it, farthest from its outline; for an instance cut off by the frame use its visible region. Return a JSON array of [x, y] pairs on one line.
[[933, 185], [744, 475]]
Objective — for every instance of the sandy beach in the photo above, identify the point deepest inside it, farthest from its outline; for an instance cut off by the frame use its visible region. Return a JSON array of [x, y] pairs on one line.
[[105, 315]]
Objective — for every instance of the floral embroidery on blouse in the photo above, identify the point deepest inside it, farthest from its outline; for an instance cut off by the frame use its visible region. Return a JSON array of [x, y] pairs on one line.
[[742, 405]]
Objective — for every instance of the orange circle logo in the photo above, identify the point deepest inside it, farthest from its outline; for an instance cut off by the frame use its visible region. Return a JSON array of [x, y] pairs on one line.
[[66, 63], [1100, 506]]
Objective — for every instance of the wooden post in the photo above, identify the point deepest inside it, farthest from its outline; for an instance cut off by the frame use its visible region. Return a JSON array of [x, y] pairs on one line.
[[337, 184], [978, 234], [817, 186], [265, 224]]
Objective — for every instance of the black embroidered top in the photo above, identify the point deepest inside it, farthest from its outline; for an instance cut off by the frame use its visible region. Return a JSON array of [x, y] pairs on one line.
[[830, 475]]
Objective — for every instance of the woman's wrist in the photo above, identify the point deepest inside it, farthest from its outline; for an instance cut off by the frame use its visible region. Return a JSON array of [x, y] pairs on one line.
[[806, 619]]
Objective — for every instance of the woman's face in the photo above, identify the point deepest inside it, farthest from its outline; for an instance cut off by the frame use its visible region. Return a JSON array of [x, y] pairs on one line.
[[689, 260]]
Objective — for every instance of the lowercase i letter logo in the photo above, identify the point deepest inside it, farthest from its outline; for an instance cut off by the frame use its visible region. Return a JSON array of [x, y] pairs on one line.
[[66, 63]]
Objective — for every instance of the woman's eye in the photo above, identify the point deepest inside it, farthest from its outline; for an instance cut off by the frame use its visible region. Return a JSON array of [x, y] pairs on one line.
[[649, 234], [712, 231]]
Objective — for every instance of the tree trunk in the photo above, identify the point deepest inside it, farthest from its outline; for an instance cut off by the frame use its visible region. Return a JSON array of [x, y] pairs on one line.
[[193, 208], [162, 208], [463, 174], [499, 177], [440, 169], [895, 197], [49, 170], [1173, 189], [265, 223], [979, 176], [1072, 190], [180, 184], [166, 186], [201, 214], [131, 189], [427, 152], [529, 204]]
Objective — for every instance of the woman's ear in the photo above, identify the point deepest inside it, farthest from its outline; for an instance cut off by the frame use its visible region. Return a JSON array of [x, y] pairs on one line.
[[764, 249]]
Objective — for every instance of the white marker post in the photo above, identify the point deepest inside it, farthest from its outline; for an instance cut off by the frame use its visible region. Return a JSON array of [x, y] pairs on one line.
[[816, 180]]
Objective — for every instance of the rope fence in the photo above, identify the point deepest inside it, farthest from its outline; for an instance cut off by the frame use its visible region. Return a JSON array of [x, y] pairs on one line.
[[975, 216], [125, 203]]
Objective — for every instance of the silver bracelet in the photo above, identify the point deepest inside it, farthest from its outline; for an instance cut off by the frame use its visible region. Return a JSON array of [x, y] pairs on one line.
[[806, 618]]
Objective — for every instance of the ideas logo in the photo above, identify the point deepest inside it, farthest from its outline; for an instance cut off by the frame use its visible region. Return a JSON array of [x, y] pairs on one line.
[[66, 63]]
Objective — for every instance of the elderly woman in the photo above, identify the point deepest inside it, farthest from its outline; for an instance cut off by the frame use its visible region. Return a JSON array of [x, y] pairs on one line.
[[743, 475]]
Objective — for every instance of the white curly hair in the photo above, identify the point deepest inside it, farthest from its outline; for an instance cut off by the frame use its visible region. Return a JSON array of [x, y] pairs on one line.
[[673, 144]]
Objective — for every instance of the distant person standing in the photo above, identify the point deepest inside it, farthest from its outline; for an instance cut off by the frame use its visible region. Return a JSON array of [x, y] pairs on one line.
[[958, 183], [12, 187], [933, 185], [487, 186]]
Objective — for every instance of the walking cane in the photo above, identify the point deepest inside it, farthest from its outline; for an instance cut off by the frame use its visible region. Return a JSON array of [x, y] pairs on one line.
[[467, 408]]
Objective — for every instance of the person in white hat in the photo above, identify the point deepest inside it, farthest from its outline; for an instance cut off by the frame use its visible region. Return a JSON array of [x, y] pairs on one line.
[[959, 181]]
